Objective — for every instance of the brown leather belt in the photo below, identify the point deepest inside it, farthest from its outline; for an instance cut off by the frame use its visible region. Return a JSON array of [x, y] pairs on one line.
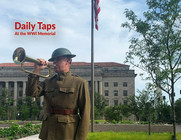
[[62, 111]]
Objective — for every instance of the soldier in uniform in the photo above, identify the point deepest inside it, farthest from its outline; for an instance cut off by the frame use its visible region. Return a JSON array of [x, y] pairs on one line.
[[66, 96]]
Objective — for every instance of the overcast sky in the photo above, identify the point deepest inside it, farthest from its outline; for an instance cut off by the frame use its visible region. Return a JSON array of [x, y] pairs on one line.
[[73, 29]]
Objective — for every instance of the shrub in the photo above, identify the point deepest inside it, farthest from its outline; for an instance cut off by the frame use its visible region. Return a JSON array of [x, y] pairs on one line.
[[17, 131], [126, 122], [96, 121], [143, 122], [113, 113], [114, 122]]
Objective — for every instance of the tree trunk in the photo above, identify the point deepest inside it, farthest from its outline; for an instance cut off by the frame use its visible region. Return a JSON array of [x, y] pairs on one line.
[[149, 127], [173, 117]]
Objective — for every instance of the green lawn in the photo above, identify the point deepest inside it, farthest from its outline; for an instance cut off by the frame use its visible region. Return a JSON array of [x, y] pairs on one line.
[[130, 136]]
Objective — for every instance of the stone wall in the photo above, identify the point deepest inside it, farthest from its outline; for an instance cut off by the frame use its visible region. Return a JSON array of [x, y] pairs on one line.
[[132, 127]]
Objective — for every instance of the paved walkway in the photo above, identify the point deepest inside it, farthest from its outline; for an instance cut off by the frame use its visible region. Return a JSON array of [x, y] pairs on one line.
[[34, 137]]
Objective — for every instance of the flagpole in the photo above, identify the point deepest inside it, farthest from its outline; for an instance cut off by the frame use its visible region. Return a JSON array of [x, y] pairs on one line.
[[92, 65]]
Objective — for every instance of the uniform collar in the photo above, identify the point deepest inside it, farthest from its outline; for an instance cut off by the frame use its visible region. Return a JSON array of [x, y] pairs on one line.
[[62, 75]]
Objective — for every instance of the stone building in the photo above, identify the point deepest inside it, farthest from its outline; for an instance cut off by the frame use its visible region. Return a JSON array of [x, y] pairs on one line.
[[115, 81]]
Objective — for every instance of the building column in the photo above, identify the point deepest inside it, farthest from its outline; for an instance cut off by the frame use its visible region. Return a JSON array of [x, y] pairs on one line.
[[100, 87], [96, 86], [24, 89], [15, 93], [6, 84]]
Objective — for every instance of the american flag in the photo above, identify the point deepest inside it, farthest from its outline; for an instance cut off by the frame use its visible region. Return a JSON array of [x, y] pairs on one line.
[[96, 12]]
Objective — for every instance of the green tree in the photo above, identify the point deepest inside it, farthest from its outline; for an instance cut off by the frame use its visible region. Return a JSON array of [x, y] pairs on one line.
[[24, 112], [178, 110], [142, 106], [97, 113], [100, 105], [125, 110], [6, 105], [158, 45], [28, 109], [163, 111], [146, 104], [35, 111], [134, 106], [113, 113], [3, 113]]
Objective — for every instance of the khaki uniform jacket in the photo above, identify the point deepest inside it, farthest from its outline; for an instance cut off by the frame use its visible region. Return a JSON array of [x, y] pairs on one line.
[[63, 91]]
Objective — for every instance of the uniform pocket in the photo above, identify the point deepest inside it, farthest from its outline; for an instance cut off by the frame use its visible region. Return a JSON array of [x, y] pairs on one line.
[[67, 126], [67, 90]]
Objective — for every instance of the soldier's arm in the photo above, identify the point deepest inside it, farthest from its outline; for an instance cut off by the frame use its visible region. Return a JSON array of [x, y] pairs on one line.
[[34, 87], [84, 107]]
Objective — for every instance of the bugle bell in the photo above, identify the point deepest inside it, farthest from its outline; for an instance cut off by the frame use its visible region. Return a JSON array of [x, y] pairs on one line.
[[19, 57]]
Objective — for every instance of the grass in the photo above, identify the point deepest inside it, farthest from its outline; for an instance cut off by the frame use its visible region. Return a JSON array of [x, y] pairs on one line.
[[130, 136]]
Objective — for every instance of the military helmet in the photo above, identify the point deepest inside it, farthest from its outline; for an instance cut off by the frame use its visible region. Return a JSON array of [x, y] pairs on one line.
[[61, 52]]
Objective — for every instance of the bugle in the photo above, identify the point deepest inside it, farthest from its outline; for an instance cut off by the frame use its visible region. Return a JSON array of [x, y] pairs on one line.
[[19, 57]]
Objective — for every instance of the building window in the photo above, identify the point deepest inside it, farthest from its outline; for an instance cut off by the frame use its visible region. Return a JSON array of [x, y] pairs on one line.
[[20, 93], [125, 102], [107, 102], [125, 93], [115, 102], [125, 84], [115, 84], [106, 84], [20, 84], [2, 84], [106, 92], [11, 84], [115, 92]]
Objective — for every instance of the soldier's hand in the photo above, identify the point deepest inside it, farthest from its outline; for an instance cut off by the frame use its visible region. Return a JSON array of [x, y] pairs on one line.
[[39, 67]]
